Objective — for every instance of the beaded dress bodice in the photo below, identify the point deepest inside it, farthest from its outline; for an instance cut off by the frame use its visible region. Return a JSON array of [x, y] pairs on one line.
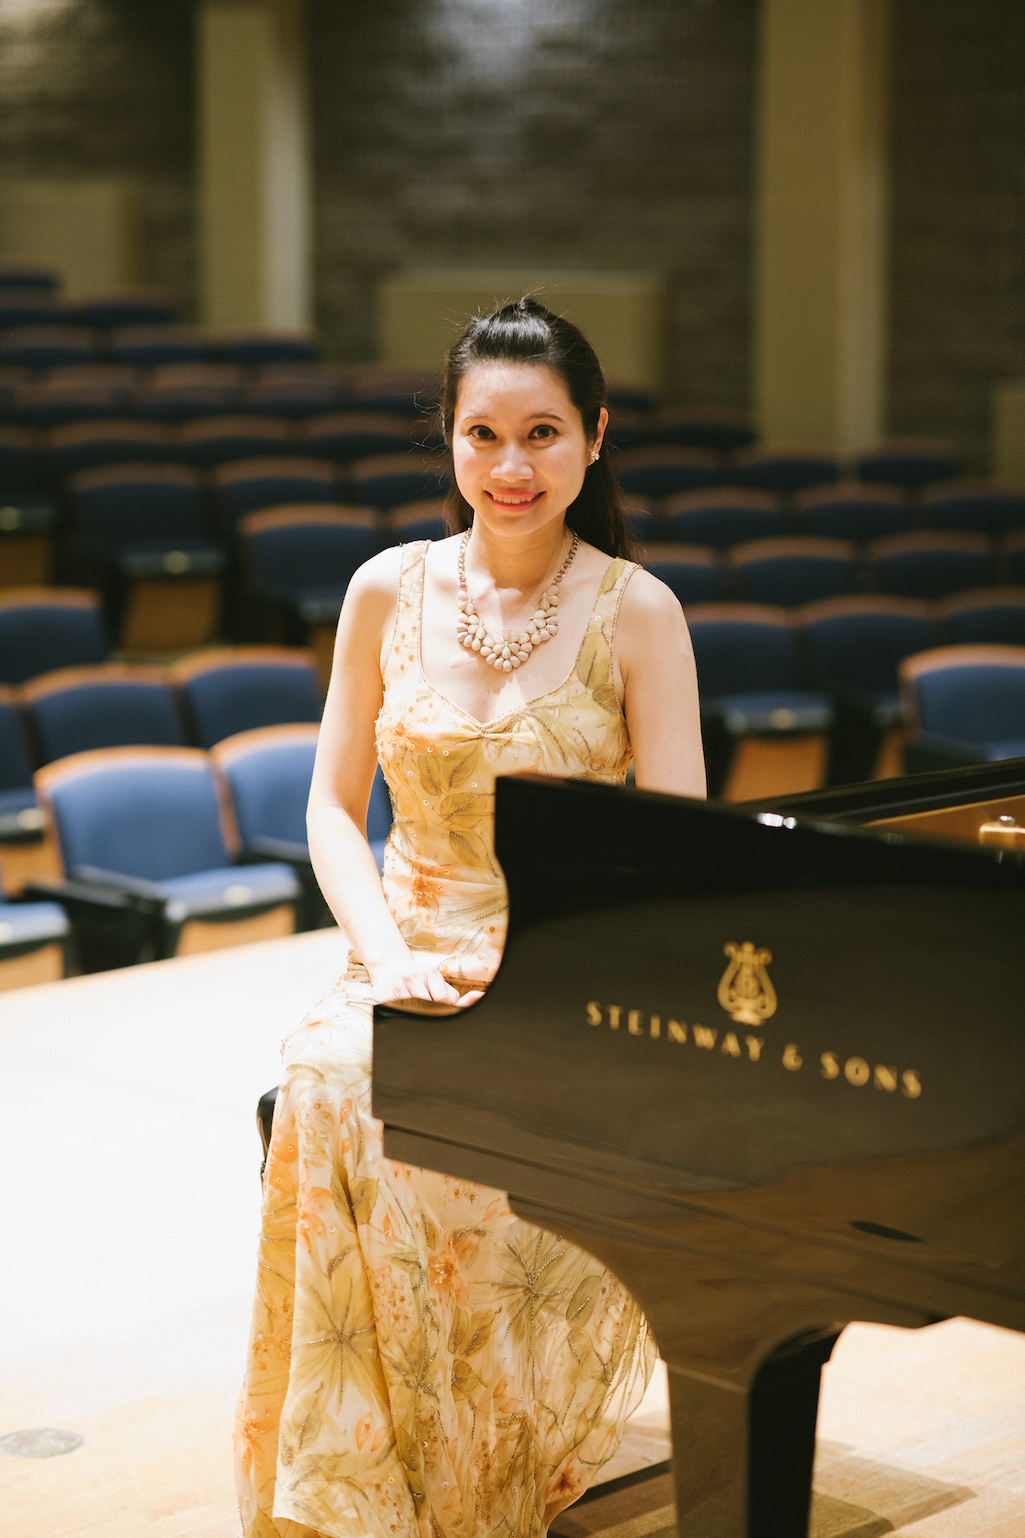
[[441, 879]]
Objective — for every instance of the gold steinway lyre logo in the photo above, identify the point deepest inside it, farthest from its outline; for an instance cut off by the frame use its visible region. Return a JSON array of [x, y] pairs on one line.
[[745, 991]]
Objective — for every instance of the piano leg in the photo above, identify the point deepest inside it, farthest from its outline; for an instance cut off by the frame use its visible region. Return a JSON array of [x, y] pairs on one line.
[[743, 1459]]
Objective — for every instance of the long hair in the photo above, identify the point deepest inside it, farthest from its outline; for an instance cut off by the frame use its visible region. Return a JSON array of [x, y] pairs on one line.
[[525, 332]]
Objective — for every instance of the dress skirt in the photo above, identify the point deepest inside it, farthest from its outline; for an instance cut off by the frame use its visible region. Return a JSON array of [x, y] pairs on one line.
[[422, 1364]]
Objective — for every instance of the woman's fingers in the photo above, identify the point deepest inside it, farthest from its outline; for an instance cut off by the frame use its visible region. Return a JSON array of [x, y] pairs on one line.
[[426, 983], [439, 990]]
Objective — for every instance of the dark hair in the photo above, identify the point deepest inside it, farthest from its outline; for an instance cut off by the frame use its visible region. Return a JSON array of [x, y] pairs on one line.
[[525, 332]]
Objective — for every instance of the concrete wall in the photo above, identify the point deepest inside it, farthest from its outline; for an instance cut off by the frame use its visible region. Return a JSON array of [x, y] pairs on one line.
[[957, 288], [99, 93], [546, 134]]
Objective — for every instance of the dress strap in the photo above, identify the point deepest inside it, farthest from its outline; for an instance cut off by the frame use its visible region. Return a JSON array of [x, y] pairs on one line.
[[606, 611], [405, 642]]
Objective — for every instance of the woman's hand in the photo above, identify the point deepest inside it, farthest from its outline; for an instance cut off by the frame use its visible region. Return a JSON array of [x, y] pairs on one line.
[[413, 977]]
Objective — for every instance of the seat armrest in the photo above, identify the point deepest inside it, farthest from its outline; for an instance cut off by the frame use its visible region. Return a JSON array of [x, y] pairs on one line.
[[80, 892], [24, 827], [259, 850], [131, 886]]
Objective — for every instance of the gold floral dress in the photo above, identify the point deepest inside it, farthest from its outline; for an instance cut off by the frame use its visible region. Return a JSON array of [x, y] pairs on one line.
[[423, 1364]]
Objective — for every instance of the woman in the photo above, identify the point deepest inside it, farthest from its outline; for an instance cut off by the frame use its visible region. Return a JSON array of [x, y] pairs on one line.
[[422, 1362]]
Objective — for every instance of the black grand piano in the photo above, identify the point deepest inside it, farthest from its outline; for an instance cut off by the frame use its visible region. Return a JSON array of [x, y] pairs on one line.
[[768, 1064]]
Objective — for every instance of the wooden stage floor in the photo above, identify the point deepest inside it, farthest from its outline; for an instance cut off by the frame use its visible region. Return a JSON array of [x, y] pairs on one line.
[[129, 1210]]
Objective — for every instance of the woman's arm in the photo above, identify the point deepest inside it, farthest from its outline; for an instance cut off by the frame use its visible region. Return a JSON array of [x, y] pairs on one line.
[[343, 774], [655, 660]]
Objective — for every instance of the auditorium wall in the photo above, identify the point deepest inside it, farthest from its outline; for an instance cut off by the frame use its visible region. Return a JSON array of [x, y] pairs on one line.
[[97, 94], [957, 293], [558, 133]]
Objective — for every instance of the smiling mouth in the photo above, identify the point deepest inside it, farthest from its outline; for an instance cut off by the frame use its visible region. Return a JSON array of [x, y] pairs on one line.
[[515, 498]]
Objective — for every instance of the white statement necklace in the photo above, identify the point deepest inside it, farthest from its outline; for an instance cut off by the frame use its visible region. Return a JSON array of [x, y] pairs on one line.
[[509, 651]]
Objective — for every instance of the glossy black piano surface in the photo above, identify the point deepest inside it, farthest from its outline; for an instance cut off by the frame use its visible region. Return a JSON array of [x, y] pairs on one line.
[[767, 1064]]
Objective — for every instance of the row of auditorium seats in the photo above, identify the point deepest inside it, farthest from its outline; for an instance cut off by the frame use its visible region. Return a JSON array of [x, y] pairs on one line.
[[723, 516], [817, 689], [108, 412], [167, 851], [802, 569], [762, 672], [41, 464], [183, 392], [151, 839]]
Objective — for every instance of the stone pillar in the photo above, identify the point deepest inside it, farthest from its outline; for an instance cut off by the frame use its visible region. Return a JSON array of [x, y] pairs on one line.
[[1009, 432], [254, 164], [820, 258]]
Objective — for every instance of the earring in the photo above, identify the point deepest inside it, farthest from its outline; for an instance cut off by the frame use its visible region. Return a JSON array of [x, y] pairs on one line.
[[594, 455]]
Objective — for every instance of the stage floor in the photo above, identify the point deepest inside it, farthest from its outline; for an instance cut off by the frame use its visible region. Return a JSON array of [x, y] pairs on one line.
[[129, 1213]]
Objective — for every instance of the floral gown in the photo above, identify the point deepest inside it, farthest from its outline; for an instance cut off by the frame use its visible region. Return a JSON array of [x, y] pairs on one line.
[[423, 1364]]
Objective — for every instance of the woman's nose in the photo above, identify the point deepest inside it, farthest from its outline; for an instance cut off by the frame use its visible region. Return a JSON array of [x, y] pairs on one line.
[[512, 464]]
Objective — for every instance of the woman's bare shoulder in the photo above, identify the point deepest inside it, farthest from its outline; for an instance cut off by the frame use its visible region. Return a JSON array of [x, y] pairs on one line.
[[645, 597], [378, 578]]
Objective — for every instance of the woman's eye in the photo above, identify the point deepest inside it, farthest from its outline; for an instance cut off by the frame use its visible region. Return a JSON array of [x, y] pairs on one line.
[[543, 430], [480, 431]]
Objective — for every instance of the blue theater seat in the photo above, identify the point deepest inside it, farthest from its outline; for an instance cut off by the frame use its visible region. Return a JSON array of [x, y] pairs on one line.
[[181, 392], [20, 308], [21, 462], [46, 628], [994, 614], [666, 471], [763, 726], [382, 387], [714, 428], [418, 520], [793, 571], [76, 709], [33, 942], [250, 485], [116, 505], [389, 480], [39, 347], [253, 349], [931, 565], [149, 852], [236, 689], [304, 556], [975, 506], [18, 814], [88, 392], [854, 647], [691, 572], [785, 471], [723, 516], [853, 510], [295, 390], [140, 525], [349, 435], [153, 346], [964, 705], [218, 440], [643, 523], [29, 277], [87, 445], [106, 312], [908, 462], [268, 774]]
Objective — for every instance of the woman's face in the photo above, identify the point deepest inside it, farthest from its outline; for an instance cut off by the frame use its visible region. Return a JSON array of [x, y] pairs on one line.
[[519, 445]]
